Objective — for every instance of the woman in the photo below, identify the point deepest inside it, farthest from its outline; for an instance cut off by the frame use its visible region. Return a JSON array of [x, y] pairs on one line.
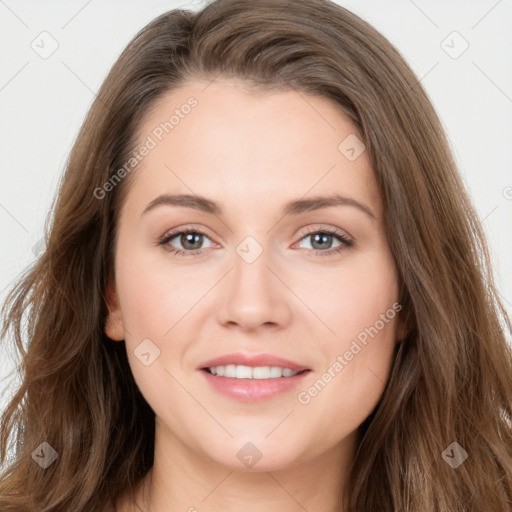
[[264, 286]]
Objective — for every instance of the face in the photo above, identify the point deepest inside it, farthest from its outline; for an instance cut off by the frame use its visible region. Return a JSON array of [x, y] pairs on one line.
[[259, 268]]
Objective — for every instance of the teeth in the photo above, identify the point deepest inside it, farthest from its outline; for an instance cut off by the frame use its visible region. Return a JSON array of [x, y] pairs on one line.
[[249, 372]]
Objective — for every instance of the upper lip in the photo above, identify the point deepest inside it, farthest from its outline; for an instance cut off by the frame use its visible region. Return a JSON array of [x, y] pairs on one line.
[[252, 360]]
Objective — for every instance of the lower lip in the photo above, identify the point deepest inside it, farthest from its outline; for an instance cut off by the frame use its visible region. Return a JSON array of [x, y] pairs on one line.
[[253, 390]]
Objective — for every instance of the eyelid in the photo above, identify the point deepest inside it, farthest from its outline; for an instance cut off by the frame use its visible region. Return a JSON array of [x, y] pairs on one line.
[[344, 238], [308, 231], [188, 227], [316, 228]]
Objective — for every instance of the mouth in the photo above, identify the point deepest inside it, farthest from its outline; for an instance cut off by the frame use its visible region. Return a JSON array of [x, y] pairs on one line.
[[248, 372], [252, 378]]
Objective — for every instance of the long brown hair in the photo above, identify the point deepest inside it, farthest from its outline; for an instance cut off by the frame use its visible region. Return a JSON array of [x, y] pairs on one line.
[[451, 381]]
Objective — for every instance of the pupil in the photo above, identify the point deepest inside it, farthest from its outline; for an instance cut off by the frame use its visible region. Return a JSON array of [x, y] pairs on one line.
[[188, 239], [321, 238], [194, 240]]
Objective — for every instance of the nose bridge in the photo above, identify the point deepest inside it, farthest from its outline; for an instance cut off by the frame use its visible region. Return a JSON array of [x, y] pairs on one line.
[[251, 280], [253, 295], [251, 268]]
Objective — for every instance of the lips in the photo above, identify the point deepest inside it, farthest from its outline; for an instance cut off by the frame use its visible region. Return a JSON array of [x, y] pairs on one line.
[[254, 360], [253, 389]]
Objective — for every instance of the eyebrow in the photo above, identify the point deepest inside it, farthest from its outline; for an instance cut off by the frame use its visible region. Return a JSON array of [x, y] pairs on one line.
[[295, 207]]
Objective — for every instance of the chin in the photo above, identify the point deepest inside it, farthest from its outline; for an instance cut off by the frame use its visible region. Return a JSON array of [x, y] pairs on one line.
[[255, 453]]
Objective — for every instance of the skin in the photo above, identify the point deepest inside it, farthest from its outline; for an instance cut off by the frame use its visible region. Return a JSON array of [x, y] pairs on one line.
[[251, 154]]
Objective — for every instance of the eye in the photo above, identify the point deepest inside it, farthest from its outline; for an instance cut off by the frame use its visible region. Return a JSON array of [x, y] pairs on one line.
[[321, 241], [190, 240]]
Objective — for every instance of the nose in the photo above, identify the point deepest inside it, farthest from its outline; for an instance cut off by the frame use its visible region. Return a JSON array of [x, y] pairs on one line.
[[254, 297]]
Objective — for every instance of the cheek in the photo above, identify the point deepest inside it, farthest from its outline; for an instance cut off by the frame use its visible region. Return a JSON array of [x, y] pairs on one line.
[[154, 295], [342, 394], [361, 308], [158, 303], [353, 297]]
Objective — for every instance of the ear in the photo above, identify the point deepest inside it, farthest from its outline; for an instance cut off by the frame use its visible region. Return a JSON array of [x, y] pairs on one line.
[[114, 327]]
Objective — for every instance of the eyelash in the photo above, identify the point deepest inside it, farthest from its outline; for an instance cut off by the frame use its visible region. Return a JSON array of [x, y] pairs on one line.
[[346, 242]]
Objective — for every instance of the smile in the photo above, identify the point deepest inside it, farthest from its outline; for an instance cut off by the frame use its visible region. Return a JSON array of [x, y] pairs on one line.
[[249, 372]]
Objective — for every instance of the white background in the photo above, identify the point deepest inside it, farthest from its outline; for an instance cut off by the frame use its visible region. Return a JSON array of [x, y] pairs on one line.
[[44, 101]]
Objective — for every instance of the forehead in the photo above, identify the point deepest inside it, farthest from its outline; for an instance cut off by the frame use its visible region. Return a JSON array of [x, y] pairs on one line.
[[219, 139]]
